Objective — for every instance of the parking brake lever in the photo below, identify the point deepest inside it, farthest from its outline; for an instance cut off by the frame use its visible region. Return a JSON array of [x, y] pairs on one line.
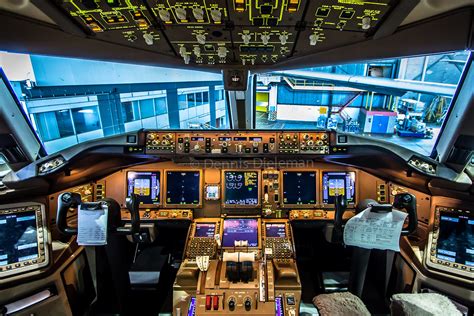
[[407, 201]]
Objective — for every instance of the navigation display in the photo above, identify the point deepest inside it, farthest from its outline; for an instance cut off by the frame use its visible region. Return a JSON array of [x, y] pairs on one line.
[[146, 185], [183, 187], [205, 230], [456, 238], [338, 183], [18, 237], [240, 229], [275, 230], [241, 188], [299, 187]]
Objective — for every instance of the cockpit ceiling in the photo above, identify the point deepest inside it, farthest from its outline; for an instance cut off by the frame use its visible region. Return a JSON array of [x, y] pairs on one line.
[[216, 34]]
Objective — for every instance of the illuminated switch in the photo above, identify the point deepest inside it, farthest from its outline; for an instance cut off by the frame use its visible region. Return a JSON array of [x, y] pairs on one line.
[[265, 38], [180, 13], [148, 38], [164, 15], [313, 39], [197, 51], [239, 5], [198, 14], [246, 38], [216, 15], [366, 22], [208, 302], [201, 39], [222, 52], [293, 5], [283, 39]]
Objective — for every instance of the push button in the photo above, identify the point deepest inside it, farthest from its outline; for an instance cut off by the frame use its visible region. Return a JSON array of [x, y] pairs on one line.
[[215, 302], [208, 302]]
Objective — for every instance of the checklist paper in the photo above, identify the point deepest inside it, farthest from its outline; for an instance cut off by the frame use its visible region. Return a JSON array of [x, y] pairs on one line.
[[92, 226], [371, 230]]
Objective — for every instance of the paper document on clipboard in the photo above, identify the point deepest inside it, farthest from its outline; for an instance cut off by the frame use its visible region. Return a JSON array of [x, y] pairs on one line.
[[92, 227], [371, 230]]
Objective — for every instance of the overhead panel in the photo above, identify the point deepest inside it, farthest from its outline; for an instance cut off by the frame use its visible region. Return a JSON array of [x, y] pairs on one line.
[[126, 22], [232, 32]]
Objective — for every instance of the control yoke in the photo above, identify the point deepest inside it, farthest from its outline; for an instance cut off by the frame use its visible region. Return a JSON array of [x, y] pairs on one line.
[[407, 202], [340, 204], [68, 200]]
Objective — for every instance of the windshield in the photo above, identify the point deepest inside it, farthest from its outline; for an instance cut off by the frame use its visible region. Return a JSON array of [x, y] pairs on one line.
[[70, 101], [404, 101]]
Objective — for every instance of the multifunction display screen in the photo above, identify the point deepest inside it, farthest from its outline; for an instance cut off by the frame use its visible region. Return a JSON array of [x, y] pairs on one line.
[[275, 230], [146, 185], [241, 188], [299, 187], [240, 229], [18, 238], [338, 183], [183, 187], [456, 238], [205, 230]]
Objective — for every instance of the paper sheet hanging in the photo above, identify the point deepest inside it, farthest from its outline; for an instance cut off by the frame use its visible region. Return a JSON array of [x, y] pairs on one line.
[[92, 227], [373, 230]]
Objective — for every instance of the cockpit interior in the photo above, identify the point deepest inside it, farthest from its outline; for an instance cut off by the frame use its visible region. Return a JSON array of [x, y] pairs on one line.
[[236, 157]]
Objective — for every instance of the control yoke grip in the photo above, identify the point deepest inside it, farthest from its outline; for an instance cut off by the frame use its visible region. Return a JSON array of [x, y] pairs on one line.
[[66, 200], [407, 201], [340, 203], [133, 207]]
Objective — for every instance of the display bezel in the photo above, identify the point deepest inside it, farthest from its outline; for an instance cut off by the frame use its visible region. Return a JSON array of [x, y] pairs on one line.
[[431, 261], [321, 187], [145, 206], [259, 230], [165, 188], [282, 189], [235, 206], [43, 259]]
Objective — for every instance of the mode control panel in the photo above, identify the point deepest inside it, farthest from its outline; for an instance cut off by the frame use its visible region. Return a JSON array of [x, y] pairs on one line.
[[226, 143], [151, 215]]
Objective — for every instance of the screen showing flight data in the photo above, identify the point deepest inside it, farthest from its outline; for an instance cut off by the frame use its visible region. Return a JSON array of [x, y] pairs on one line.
[[146, 185], [299, 187], [240, 229], [275, 230], [18, 238], [241, 188], [205, 230], [456, 238], [183, 187], [338, 183]]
